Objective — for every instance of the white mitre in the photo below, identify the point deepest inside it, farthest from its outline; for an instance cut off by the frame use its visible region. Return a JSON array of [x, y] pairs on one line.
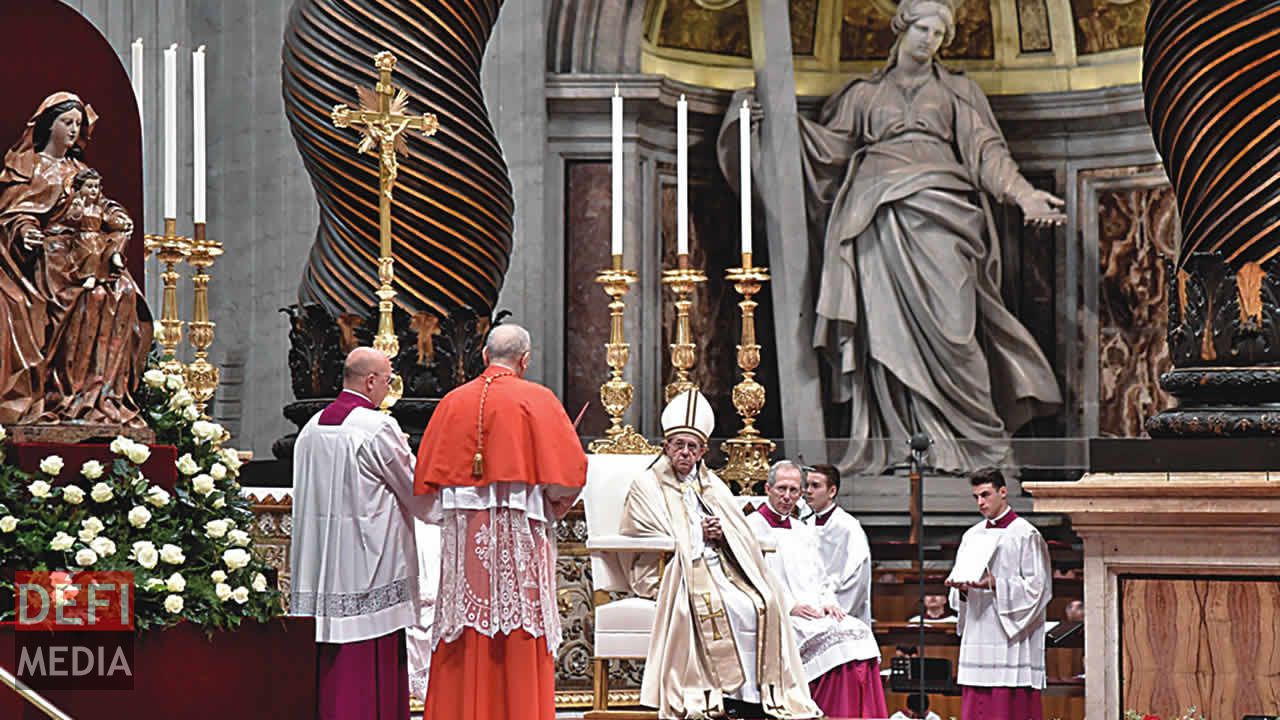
[[688, 412]]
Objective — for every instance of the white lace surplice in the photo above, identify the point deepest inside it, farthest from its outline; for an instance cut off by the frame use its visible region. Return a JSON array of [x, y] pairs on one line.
[[497, 563]]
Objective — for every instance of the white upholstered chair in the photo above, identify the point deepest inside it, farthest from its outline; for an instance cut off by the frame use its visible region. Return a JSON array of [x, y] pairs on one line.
[[622, 627]]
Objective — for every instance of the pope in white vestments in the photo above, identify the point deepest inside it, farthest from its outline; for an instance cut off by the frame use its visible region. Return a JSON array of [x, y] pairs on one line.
[[842, 543], [721, 633], [840, 654], [353, 560], [1001, 617]]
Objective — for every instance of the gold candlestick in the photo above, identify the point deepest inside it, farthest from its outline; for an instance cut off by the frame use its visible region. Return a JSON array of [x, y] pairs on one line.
[[748, 452], [682, 282], [171, 249], [616, 393], [202, 376]]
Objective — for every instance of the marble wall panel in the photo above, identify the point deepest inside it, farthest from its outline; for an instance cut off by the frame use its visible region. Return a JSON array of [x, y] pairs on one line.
[[1033, 26], [586, 319], [1211, 644], [1137, 230]]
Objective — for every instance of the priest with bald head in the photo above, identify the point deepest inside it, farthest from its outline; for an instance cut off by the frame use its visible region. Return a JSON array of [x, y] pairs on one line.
[[721, 639], [502, 462], [353, 559]]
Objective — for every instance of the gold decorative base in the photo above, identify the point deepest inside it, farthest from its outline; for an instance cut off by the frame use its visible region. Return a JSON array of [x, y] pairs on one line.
[[626, 442], [170, 248], [748, 463]]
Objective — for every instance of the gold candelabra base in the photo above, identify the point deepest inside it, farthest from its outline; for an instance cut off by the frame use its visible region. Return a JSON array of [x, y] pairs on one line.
[[748, 460], [202, 376], [170, 249], [682, 281]]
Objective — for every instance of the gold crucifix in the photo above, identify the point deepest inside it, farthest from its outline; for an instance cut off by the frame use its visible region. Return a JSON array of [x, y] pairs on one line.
[[382, 119], [711, 615]]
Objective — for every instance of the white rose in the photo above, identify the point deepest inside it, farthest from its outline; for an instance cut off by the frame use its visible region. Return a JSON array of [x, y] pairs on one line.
[[153, 378], [144, 551], [187, 465], [176, 583], [137, 453], [231, 458], [190, 413], [51, 465], [72, 495], [61, 542], [218, 576], [39, 489], [240, 594], [91, 469], [175, 382], [223, 591], [219, 503], [157, 496], [181, 399], [205, 431], [86, 557], [3, 435], [104, 546], [202, 484], [218, 471], [173, 604], [215, 528], [235, 558], [89, 529], [260, 582], [119, 444], [8, 523], [139, 516], [239, 538], [172, 554], [101, 492], [153, 584]]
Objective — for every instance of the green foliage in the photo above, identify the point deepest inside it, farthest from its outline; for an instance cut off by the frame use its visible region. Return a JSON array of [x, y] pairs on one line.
[[190, 551]]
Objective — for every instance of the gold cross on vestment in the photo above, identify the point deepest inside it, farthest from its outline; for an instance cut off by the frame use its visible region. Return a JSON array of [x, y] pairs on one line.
[[711, 616], [382, 119]]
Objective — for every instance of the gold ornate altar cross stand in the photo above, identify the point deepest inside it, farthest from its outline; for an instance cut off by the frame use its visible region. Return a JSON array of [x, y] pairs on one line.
[[382, 119], [748, 452]]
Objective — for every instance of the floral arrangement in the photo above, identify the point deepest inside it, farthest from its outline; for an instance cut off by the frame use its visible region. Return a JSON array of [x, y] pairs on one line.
[[1190, 714], [189, 551]]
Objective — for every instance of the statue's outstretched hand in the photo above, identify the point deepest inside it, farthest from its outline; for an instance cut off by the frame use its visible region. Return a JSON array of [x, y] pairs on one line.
[[1042, 209]]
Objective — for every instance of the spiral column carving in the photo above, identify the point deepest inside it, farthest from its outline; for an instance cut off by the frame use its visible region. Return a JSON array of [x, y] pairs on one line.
[[453, 209], [1211, 78]]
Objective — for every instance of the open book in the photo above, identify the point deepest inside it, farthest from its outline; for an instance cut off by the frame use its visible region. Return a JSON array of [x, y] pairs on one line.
[[973, 556]]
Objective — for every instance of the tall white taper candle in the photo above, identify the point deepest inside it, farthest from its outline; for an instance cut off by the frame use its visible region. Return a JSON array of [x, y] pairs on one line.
[[198, 136], [171, 131], [744, 172], [616, 199], [682, 176]]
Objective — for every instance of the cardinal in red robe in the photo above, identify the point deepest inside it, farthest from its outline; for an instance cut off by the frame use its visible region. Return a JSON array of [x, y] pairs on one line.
[[504, 463]]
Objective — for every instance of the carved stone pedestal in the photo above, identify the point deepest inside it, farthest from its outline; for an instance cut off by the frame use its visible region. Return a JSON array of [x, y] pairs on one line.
[[1182, 586]]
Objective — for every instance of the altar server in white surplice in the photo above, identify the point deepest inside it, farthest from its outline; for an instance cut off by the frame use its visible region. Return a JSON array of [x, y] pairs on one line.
[[354, 557], [840, 655], [842, 544], [1001, 623]]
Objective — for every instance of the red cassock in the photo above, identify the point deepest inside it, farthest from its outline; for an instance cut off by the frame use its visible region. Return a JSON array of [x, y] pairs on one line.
[[505, 462]]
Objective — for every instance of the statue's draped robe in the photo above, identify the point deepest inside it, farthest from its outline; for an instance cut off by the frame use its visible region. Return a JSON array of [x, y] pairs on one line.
[[898, 187], [692, 662]]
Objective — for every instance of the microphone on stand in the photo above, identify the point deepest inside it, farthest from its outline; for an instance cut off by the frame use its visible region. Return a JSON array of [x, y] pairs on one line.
[[919, 445]]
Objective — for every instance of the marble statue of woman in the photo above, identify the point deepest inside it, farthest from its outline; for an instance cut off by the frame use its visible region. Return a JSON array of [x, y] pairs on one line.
[[74, 350], [901, 170]]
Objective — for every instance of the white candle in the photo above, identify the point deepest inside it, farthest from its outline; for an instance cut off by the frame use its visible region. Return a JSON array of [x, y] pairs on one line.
[[171, 132], [616, 200], [198, 136], [136, 75], [744, 141], [682, 176]]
